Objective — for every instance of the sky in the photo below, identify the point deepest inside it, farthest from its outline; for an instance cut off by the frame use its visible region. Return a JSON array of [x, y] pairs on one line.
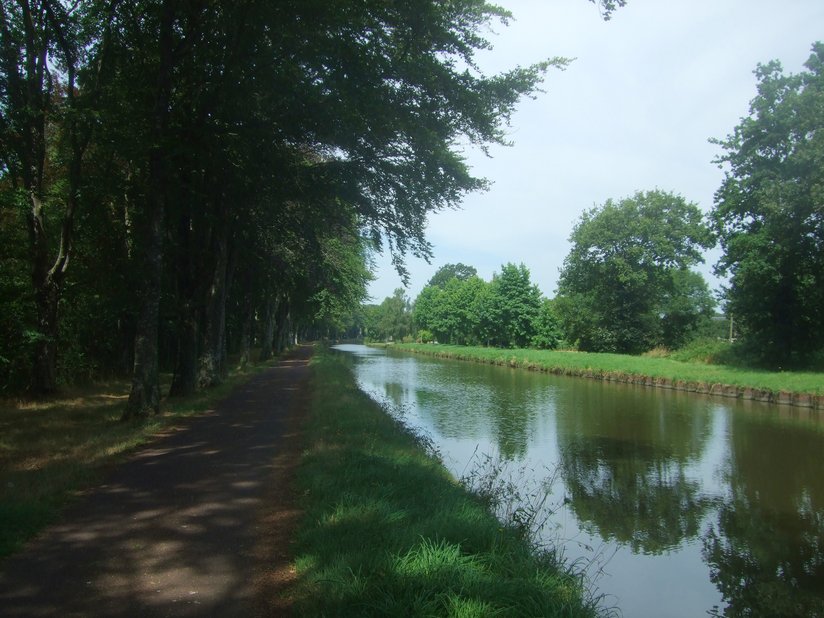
[[634, 111]]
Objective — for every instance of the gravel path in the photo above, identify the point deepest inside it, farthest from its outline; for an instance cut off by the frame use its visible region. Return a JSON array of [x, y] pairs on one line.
[[197, 523]]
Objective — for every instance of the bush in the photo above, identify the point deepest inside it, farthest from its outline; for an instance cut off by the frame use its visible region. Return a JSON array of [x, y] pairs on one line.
[[708, 351]]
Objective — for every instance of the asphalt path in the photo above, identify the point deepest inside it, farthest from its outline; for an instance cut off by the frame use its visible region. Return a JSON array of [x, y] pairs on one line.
[[196, 523]]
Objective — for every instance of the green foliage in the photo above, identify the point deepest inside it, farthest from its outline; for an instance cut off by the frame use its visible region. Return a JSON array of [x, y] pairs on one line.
[[625, 285], [769, 219], [513, 308], [708, 351], [217, 174], [391, 320], [452, 271], [548, 334], [508, 311]]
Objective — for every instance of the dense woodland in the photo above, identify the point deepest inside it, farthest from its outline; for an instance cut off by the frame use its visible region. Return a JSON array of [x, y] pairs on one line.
[[183, 182], [628, 284]]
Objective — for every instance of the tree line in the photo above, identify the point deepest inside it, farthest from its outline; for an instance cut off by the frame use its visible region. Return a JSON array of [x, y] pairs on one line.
[[181, 180], [458, 307], [628, 283]]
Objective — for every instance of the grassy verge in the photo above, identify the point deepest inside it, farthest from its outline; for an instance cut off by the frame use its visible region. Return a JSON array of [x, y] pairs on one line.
[[53, 448], [388, 532], [800, 388]]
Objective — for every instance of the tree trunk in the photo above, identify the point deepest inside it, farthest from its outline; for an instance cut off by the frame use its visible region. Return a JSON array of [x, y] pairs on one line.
[[212, 353], [284, 325], [44, 376], [267, 339], [184, 381], [144, 397], [247, 309]]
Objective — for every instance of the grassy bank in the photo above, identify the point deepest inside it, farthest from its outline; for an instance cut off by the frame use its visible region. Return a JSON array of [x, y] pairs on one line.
[[798, 388], [52, 448], [388, 532]]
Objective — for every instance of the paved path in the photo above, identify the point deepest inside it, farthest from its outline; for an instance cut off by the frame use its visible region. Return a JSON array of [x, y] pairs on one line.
[[188, 526]]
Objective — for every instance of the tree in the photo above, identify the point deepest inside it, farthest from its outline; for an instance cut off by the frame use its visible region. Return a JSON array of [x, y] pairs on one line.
[[686, 308], [41, 46], [548, 334], [769, 217], [450, 310], [392, 319], [624, 267], [452, 271], [512, 308]]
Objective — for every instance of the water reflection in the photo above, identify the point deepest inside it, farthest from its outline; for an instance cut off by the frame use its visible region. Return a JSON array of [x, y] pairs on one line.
[[708, 505], [765, 551], [625, 454]]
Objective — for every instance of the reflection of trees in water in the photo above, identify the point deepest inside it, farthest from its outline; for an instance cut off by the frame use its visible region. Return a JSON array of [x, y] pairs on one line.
[[766, 552], [396, 393], [505, 403], [623, 457], [632, 494]]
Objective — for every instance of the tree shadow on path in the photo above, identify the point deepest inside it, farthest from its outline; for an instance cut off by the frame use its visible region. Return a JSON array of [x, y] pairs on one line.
[[179, 529]]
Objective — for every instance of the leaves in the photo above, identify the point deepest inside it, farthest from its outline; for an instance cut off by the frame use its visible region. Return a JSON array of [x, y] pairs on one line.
[[768, 215], [619, 287]]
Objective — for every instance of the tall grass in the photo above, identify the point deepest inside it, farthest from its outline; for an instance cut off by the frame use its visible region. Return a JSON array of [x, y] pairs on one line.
[[389, 532], [52, 448], [620, 366]]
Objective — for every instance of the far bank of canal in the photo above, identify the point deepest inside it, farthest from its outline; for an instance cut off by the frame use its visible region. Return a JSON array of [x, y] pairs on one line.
[[688, 503]]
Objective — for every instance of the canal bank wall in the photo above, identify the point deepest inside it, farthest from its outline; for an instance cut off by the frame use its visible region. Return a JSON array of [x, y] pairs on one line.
[[744, 393]]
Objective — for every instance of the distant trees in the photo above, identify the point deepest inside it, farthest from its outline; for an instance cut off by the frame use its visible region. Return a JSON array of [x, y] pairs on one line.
[[625, 285], [391, 320], [509, 311], [769, 216]]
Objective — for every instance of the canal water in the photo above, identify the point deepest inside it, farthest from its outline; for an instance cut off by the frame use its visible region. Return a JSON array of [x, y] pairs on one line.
[[674, 504]]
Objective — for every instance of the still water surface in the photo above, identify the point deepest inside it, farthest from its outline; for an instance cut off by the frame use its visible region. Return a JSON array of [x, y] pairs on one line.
[[685, 504]]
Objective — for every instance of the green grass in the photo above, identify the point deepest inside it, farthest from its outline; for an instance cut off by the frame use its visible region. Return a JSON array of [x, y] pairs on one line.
[[633, 368], [388, 532], [51, 449]]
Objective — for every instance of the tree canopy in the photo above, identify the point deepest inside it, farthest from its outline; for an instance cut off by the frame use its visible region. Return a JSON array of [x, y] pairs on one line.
[[198, 176], [508, 311], [769, 215], [628, 264]]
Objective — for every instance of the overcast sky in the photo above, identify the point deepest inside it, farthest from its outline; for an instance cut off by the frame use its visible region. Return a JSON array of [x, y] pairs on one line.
[[634, 111]]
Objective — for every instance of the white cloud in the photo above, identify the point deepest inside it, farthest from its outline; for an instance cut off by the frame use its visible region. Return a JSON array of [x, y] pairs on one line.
[[634, 111]]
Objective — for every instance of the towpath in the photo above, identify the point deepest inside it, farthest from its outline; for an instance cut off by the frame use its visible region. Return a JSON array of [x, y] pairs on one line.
[[196, 523]]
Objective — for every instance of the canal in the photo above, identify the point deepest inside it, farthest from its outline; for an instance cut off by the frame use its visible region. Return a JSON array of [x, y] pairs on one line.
[[674, 504]]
